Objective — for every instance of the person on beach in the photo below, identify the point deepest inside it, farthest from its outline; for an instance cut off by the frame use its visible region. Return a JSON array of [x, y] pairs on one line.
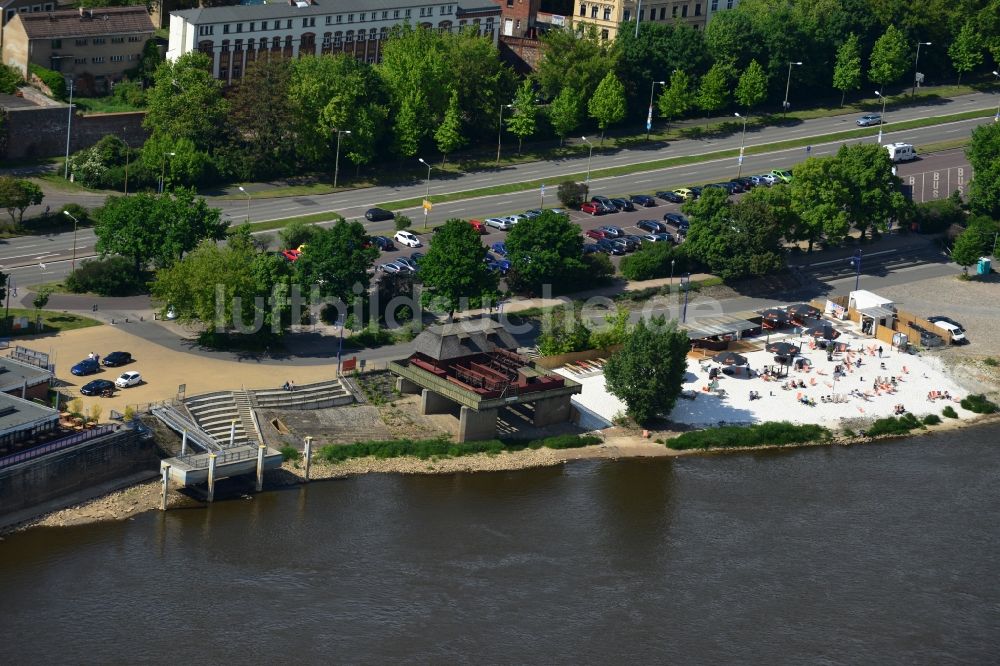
[[880, 351]]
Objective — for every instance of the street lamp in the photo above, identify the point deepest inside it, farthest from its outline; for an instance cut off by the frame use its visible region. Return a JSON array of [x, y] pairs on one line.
[[652, 87], [163, 168], [788, 83], [996, 118], [69, 124], [672, 274], [591, 155], [916, 61], [75, 223], [427, 189], [686, 283], [500, 131], [336, 162], [856, 262], [128, 149], [743, 137], [881, 118], [248, 202]]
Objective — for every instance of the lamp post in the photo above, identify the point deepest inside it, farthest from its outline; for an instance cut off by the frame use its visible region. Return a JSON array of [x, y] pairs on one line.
[[672, 274], [248, 202], [996, 118], [856, 262], [652, 87], [916, 62], [589, 157], [686, 283], [163, 168], [743, 138], [881, 118], [69, 124], [336, 161], [427, 189], [500, 131], [788, 84], [638, 15], [72, 265], [128, 149]]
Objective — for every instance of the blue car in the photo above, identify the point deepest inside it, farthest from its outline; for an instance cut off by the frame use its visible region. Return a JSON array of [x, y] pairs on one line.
[[499, 248], [87, 366]]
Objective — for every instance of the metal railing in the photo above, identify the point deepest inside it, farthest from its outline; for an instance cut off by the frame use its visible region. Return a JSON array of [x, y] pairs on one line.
[[57, 445], [200, 460], [174, 420]]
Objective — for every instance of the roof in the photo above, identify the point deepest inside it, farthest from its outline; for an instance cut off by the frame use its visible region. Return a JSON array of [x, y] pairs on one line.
[[276, 10], [92, 22], [16, 414], [471, 336], [707, 327], [13, 374], [878, 312]]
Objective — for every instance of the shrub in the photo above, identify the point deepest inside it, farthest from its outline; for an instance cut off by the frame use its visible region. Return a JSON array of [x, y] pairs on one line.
[[979, 404], [10, 79], [129, 92], [403, 222], [950, 412], [772, 433], [443, 448], [893, 425], [113, 276], [652, 261], [931, 419], [934, 217], [571, 194], [992, 362], [79, 212], [289, 452], [52, 80], [296, 233]]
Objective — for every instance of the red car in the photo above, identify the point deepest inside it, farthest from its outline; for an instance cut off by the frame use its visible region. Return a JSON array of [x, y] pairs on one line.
[[592, 208], [595, 233], [291, 255]]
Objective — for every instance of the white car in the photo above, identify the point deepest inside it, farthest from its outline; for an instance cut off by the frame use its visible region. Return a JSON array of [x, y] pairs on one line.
[[516, 217], [406, 238], [768, 178], [501, 223], [130, 378]]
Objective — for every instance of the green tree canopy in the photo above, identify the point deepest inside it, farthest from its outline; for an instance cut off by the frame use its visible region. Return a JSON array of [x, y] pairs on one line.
[[607, 105], [983, 152], [889, 58], [259, 110], [875, 198], [713, 91], [820, 198], [16, 195], [454, 271], [449, 136], [337, 260], [677, 98], [847, 70], [564, 112], [973, 243], [966, 51], [523, 121], [186, 102], [752, 87], [660, 48], [544, 250], [649, 390], [574, 59]]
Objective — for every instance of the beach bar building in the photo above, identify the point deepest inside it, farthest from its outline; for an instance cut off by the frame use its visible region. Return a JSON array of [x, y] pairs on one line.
[[873, 310]]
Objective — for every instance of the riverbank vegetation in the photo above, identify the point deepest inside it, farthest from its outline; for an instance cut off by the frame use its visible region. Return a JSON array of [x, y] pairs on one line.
[[979, 404], [774, 433], [894, 425], [442, 447]]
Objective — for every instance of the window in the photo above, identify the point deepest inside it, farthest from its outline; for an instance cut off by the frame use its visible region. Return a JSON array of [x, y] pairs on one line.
[[134, 38], [337, 38], [729, 4], [223, 72], [663, 13], [57, 43], [253, 26], [340, 19], [309, 22], [99, 60], [238, 45], [49, 6], [684, 11], [604, 34], [329, 20], [593, 11], [510, 3], [385, 16], [225, 46], [674, 12], [239, 27], [263, 25], [134, 56], [11, 13], [237, 72], [36, 8], [361, 17], [117, 58], [395, 14], [715, 5], [117, 40], [79, 61], [373, 34], [81, 42], [327, 40], [442, 11], [350, 18], [288, 24], [627, 14], [583, 9], [607, 13], [697, 9], [225, 29], [406, 13]]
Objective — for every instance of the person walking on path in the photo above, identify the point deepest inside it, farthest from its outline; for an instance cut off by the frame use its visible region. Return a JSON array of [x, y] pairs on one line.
[[880, 351]]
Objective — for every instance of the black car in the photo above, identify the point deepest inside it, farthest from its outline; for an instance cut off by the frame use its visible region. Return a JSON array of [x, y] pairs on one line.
[[643, 200], [670, 196], [609, 247], [725, 187], [98, 387], [590, 248], [744, 182], [635, 239], [696, 190], [114, 359], [623, 204], [626, 244], [677, 220], [652, 226], [383, 243], [416, 257], [379, 214], [607, 204]]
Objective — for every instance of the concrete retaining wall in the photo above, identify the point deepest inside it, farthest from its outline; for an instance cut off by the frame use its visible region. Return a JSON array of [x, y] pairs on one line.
[[41, 132]]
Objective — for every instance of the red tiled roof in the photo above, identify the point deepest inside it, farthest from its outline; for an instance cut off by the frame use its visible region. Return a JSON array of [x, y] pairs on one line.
[[93, 22]]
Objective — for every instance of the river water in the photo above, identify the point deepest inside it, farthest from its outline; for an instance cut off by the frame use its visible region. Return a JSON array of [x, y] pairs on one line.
[[880, 554]]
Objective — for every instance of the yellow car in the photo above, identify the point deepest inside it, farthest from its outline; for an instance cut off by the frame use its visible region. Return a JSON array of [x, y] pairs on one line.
[[684, 192]]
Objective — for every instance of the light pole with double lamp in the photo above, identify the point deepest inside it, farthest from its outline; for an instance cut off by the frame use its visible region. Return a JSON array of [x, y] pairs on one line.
[[743, 138], [996, 118], [248, 202], [76, 222], [881, 118], [500, 131], [652, 89], [916, 63], [427, 190], [788, 84], [163, 169], [589, 157], [336, 160]]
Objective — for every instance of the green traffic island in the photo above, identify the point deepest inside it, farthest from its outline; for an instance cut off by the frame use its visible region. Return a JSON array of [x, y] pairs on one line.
[[442, 447], [23, 322]]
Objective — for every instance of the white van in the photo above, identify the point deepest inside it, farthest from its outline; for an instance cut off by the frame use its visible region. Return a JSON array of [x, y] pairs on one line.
[[957, 334], [901, 152]]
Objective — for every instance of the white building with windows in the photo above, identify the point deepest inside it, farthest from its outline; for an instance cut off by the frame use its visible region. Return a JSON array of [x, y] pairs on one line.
[[236, 35], [716, 6]]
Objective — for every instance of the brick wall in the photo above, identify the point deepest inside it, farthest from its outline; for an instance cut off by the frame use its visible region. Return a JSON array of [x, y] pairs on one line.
[[521, 53], [41, 132]]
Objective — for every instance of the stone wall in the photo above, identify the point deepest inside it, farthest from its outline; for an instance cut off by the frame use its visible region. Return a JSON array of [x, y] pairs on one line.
[[64, 478], [41, 132], [521, 53]]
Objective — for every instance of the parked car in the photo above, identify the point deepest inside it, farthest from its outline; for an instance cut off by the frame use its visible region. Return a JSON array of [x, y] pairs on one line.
[[383, 243], [408, 262], [643, 200], [685, 193], [98, 387], [116, 358], [532, 214], [590, 248], [720, 186], [130, 378], [500, 223], [87, 366], [609, 247], [592, 208], [783, 175], [379, 214], [291, 255], [635, 239], [407, 239], [501, 266], [499, 249], [763, 180], [479, 227], [696, 190], [677, 220], [869, 119], [626, 244], [611, 231], [743, 181], [946, 324], [672, 197], [595, 233], [665, 237], [652, 226], [609, 206], [516, 217], [623, 204], [415, 257], [936, 318], [390, 268]]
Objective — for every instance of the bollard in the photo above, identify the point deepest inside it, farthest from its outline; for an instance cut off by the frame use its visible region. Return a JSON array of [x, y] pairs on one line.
[[309, 447], [166, 483], [211, 477], [232, 432], [260, 467], [184, 443]]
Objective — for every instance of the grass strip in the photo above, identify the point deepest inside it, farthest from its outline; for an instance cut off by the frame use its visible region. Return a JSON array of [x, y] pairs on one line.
[[52, 322], [772, 433], [442, 447]]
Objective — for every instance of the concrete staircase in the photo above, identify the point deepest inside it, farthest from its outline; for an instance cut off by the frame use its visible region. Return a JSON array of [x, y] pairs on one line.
[[320, 395], [215, 413]]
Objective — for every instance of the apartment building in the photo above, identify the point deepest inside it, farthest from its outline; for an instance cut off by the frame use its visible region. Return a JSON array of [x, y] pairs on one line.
[[716, 6], [100, 44], [11, 8], [234, 36], [609, 15]]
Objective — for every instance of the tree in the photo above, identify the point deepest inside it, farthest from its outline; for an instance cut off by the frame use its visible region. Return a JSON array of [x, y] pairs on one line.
[[649, 389], [659, 47], [10, 79], [523, 122], [563, 333], [607, 105], [39, 302], [410, 126], [260, 112], [713, 92], [889, 58], [16, 195], [874, 195], [454, 270], [847, 70], [449, 135], [186, 102], [983, 152], [677, 98], [752, 86], [574, 59], [547, 249], [296, 233], [337, 261], [820, 199], [572, 194], [564, 113], [971, 244], [966, 52], [185, 220]]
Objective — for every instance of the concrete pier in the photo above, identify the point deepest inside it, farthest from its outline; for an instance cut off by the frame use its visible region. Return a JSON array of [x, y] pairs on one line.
[[211, 477]]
